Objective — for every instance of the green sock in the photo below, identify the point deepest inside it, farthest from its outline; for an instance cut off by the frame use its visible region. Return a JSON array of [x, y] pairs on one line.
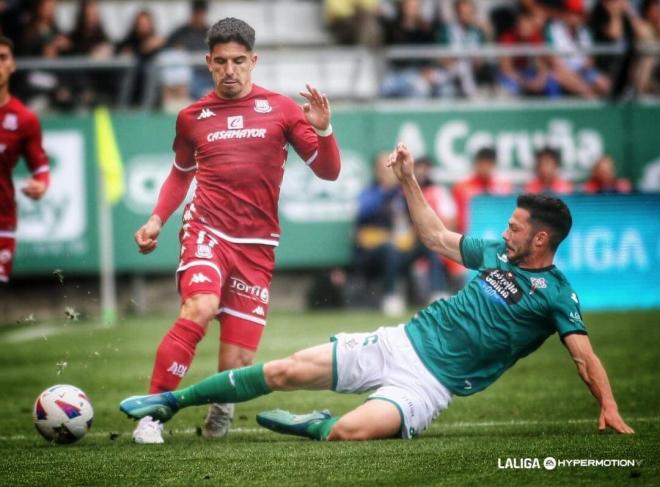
[[321, 430], [236, 385]]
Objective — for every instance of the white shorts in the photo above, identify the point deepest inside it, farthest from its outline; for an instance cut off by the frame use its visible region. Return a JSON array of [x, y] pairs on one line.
[[386, 361]]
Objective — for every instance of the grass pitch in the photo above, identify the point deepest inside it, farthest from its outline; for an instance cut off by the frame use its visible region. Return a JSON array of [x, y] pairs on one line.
[[540, 408]]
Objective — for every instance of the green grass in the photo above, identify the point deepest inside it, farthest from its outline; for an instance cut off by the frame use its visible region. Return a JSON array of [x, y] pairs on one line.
[[540, 408]]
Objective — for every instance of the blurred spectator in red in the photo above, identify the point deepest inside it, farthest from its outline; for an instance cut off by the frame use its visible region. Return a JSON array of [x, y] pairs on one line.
[[575, 72], [460, 76], [89, 39], [354, 21], [615, 22], [440, 199], [547, 178], [409, 78], [191, 37], [483, 181], [603, 178], [527, 75], [143, 43], [648, 76]]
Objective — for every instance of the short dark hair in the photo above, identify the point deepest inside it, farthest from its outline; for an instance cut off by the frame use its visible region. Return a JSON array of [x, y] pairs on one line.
[[199, 6], [550, 152], [230, 29], [486, 154], [550, 212], [6, 41]]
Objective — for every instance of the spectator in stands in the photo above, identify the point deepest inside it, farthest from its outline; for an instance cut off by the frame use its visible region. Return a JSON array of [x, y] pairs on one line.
[[460, 76], [615, 22], [88, 38], [383, 235], [191, 37], [409, 78], [42, 38], [527, 75], [484, 180], [603, 178], [547, 178], [575, 72], [354, 21], [143, 43], [648, 76]]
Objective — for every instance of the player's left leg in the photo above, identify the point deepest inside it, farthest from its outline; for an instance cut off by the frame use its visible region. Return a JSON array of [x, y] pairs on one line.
[[242, 316]]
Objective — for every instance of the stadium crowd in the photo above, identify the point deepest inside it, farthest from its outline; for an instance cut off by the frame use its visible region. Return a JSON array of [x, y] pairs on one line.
[[387, 250], [458, 25]]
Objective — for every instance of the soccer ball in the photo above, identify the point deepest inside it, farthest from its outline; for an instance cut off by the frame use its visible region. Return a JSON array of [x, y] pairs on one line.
[[62, 414]]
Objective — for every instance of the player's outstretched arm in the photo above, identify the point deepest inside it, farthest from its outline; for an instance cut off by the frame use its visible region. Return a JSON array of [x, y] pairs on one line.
[[430, 229], [593, 374]]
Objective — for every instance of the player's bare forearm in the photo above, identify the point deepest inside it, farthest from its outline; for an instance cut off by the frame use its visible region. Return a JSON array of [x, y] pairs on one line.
[[593, 374], [430, 229]]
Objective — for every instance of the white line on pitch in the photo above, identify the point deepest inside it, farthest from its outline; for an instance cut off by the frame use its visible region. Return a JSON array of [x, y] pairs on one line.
[[440, 425]]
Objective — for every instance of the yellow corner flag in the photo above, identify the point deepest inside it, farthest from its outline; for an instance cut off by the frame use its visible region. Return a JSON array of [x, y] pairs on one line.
[[108, 156]]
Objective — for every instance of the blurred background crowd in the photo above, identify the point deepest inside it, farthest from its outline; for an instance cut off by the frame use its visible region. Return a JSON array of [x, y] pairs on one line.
[[75, 55], [81, 53]]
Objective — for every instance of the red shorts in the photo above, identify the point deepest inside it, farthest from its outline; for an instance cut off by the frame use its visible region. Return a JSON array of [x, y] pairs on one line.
[[7, 250], [239, 274]]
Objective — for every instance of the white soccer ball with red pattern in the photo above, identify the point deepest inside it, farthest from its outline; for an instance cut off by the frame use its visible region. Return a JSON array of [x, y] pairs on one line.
[[63, 414]]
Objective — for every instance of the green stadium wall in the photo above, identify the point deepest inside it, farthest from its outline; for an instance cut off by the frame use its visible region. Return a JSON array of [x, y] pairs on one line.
[[61, 231]]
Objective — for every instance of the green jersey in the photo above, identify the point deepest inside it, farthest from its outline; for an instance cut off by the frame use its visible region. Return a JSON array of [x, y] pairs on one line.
[[502, 315]]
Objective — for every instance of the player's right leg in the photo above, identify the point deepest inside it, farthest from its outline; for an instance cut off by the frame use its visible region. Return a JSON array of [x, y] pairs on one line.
[[174, 356]]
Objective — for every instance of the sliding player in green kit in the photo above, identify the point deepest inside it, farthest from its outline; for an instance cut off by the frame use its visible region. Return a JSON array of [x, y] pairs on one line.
[[457, 346]]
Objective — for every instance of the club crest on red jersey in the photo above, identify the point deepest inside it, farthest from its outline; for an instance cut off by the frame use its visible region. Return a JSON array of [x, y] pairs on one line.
[[10, 122], [262, 106]]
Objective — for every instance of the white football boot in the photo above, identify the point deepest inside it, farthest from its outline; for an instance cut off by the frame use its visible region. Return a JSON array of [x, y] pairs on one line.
[[148, 432], [218, 420]]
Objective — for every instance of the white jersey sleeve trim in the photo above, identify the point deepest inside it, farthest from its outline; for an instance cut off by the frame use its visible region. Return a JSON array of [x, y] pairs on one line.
[[40, 170], [245, 316], [242, 240], [312, 159], [184, 169], [7, 234]]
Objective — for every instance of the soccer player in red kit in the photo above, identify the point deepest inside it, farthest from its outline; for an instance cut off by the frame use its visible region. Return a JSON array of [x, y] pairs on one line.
[[234, 143], [20, 135]]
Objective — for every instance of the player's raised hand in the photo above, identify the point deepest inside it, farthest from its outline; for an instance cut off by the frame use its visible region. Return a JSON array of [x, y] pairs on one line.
[[402, 163], [317, 108], [612, 419], [147, 236], [34, 189]]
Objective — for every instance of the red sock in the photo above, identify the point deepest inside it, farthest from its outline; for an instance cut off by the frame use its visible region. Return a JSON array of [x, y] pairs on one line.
[[175, 354]]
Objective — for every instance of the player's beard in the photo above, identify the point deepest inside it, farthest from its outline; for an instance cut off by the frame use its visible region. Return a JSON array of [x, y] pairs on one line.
[[524, 251]]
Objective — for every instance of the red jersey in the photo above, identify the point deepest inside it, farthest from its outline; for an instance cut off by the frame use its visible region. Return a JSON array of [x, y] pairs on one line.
[[20, 135], [558, 186], [238, 149], [465, 190]]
